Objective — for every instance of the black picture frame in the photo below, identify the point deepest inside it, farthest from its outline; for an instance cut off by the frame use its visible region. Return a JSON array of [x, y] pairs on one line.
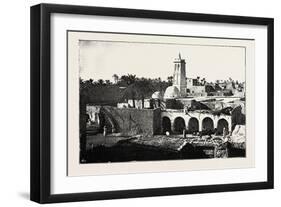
[[40, 102]]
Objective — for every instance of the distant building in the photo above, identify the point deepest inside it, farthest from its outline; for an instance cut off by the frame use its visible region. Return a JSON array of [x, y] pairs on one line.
[[184, 86], [157, 95], [190, 82], [197, 91]]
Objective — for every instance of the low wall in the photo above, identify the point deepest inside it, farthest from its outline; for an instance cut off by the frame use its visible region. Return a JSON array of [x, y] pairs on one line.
[[132, 121]]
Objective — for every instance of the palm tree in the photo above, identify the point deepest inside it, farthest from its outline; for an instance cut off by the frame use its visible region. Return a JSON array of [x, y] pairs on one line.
[[130, 92], [128, 79], [143, 89], [170, 79], [140, 89], [115, 78], [203, 81], [100, 82], [107, 82]]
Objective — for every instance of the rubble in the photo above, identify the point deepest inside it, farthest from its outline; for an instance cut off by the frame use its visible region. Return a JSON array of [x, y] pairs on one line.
[[238, 138]]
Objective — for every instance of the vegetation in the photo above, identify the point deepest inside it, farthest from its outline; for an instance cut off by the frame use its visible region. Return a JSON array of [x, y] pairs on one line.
[[139, 88], [134, 87]]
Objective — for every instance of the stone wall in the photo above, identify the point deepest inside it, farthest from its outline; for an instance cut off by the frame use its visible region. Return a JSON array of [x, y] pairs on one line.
[[157, 128], [132, 121]]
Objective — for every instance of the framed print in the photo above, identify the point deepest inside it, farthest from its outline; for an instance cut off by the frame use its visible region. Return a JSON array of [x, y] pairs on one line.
[[133, 103]]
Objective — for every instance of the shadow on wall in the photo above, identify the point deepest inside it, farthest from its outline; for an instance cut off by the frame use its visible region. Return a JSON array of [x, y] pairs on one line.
[[174, 104], [237, 117], [131, 121]]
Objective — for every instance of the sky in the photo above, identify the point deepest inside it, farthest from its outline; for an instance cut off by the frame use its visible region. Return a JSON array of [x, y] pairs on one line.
[[101, 59]]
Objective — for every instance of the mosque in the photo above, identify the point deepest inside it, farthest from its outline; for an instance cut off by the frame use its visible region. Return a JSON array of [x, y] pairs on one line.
[[176, 102], [182, 86]]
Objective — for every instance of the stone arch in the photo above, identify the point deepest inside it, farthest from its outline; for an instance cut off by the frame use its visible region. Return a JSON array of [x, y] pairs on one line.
[[179, 125], [208, 124], [222, 123], [166, 124], [193, 125]]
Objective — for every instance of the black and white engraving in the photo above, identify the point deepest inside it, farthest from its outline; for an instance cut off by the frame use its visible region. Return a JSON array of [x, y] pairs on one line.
[[148, 101]]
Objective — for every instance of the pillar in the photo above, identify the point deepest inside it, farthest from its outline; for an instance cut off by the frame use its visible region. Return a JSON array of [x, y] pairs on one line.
[[186, 124], [229, 125], [172, 125], [215, 120], [200, 124]]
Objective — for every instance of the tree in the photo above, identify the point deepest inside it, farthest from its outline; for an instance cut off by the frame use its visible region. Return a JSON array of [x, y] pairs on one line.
[[133, 87], [107, 82], [143, 89], [91, 80], [170, 79], [128, 79], [115, 78], [100, 82], [203, 81], [130, 92], [140, 89]]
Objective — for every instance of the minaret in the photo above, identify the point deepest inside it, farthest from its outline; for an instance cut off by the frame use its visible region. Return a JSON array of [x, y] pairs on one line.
[[179, 78]]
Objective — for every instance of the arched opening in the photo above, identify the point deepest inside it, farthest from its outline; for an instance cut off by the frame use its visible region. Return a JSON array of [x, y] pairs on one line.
[[179, 125], [166, 124], [222, 124], [193, 125], [207, 125]]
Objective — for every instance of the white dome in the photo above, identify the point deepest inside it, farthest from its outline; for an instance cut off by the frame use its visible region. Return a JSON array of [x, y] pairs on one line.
[[172, 92], [156, 95]]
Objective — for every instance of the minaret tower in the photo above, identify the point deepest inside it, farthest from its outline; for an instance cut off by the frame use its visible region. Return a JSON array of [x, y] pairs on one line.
[[179, 78]]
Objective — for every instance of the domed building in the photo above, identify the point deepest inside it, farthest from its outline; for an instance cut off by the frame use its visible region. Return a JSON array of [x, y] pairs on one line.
[[156, 95], [172, 92], [156, 99]]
